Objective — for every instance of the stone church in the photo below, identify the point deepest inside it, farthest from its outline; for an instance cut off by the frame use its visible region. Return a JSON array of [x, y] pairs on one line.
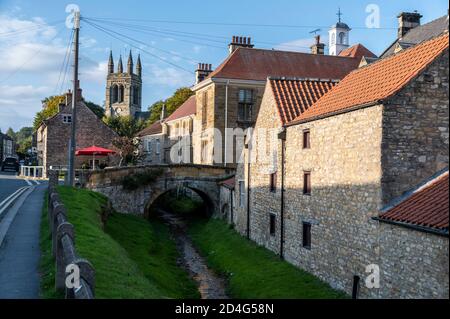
[[124, 89]]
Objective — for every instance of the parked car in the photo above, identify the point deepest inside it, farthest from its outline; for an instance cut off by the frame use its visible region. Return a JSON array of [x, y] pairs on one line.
[[10, 163]]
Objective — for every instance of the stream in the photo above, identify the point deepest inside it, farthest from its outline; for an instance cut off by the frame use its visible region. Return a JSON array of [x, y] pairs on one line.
[[209, 284]]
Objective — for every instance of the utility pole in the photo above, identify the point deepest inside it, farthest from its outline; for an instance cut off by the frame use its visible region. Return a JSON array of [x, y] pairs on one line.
[[72, 144]]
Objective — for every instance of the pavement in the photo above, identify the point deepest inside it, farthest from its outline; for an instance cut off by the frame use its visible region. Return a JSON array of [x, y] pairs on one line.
[[19, 237]]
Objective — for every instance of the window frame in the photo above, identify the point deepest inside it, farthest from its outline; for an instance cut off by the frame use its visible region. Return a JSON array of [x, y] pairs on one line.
[[307, 185], [306, 139], [67, 118], [241, 186], [158, 146], [306, 235], [272, 224], [246, 104]]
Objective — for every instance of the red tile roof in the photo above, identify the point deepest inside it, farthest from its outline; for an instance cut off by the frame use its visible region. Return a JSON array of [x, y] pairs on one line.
[[258, 64], [229, 183], [295, 96], [426, 206], [186, 109], [155, 128], [378, 80], [357, 51]]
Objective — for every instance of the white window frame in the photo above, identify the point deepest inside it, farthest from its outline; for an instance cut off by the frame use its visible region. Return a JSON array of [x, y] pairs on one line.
[[66, 118], [241, 189]]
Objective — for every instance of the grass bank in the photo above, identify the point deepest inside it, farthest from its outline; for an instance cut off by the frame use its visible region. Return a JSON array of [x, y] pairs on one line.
[[253, 271], [132, 257]]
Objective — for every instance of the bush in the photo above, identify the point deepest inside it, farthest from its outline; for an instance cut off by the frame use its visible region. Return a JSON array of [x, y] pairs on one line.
[[137, 180]]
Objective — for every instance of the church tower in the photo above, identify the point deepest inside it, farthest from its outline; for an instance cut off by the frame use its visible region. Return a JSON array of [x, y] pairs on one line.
[[123, 89], [338, 36]]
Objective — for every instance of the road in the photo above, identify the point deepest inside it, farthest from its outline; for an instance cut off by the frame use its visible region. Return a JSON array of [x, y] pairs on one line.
[[19, 238], [9, 184]]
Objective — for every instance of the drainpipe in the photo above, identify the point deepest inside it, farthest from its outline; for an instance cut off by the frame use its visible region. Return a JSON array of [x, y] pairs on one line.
[[226, 124], [248, 192], [282, 137]]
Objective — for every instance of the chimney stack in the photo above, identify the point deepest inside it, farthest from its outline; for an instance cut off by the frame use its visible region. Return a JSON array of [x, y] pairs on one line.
[[407, 21], [202, 72], [237, 41], [318, 48]]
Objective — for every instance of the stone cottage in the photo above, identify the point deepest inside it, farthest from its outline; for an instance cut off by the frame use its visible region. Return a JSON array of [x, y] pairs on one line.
[[53, 136], [230, 96], [175, 130], [373, 137], [7, 147]]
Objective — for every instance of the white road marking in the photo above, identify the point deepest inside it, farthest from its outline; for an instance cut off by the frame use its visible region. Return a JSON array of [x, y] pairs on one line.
[[10, 199], [37, 182], [28, 182]]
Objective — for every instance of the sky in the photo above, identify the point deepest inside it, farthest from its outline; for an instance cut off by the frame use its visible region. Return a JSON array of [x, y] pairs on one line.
[[171, 36]]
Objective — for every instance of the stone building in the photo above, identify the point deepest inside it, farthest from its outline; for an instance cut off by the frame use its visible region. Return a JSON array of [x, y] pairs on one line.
[[230, 96], [176, 130], [124, 89], [53, 136], [7, 147], [152, 142], [372, 138]]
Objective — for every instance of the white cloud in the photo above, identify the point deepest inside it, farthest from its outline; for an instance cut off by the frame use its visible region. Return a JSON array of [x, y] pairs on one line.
[[300, 45], [170, 76]]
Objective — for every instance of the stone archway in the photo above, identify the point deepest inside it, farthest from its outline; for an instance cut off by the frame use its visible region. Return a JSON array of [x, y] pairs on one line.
[[209, 207]]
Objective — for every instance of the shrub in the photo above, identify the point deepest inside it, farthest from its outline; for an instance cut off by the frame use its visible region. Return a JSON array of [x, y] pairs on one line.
[[133, 182]]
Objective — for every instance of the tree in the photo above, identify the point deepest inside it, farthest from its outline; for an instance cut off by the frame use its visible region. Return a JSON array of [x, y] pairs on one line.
[[97, 109], [172, 103], [125, 126], [50, 106], [10, 133], [129, 149]]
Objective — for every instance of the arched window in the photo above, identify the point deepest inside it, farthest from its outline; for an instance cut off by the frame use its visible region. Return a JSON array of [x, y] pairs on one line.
[[333, 38], [342, 38], [115, 94], [121, 93]]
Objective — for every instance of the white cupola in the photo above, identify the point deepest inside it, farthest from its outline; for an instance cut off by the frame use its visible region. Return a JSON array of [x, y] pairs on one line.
[[338, 36]]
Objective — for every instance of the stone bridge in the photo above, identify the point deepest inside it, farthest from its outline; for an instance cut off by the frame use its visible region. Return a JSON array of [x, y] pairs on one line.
[[202, 179]]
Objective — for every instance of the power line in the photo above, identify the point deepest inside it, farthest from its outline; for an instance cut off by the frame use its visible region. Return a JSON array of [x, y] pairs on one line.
[[232, 24], [111, 34], [63, 65], [29, 29]]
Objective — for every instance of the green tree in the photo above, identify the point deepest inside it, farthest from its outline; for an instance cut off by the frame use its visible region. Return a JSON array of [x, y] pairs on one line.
[[172, 103], [125, 126], [50, 107], [97, 109], [10, 133]]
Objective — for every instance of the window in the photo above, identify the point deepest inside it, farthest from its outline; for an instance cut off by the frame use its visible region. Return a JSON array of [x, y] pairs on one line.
[[342, 38], [307, 183], [245, 106], [149, 147], [306, 139], [158, 146], [204, 151], [241, 194], [135, 95], [115, 94], [272, 223], [121, 93], [307, 235], [273, 182], [67, 119]]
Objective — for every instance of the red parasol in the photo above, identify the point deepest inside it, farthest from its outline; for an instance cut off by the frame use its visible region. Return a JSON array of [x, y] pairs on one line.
[[94, 151]]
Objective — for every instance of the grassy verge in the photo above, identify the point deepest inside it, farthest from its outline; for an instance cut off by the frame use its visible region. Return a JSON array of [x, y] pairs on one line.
[[132, 257], [253, 271], [150, 246], [47, 263]]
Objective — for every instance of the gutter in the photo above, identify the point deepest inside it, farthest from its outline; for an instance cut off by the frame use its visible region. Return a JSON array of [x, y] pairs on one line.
[[207, 82], [424, 229]]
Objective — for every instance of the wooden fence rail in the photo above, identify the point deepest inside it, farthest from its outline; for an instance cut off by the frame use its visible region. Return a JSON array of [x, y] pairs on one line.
[[64, 251]]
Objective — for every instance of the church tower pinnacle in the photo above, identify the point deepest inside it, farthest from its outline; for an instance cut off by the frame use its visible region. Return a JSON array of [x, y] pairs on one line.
[[130, 64], [139, 66], [119, 65], [110, 63]]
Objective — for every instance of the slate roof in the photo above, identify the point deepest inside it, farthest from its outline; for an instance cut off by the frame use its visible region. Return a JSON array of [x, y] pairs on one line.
[[295, 96], [376, 81], [229, 183], [258, 64], [357, 51], [420, 34], [155, 128], [185, 109], [425, 206]]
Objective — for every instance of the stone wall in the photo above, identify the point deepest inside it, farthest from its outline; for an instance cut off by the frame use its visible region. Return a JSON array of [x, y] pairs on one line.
[[215, 115], [415, 130], [413, 264], [227, 204]]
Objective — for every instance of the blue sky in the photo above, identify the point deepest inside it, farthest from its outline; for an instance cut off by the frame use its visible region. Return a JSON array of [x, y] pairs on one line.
[[33, 45]]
